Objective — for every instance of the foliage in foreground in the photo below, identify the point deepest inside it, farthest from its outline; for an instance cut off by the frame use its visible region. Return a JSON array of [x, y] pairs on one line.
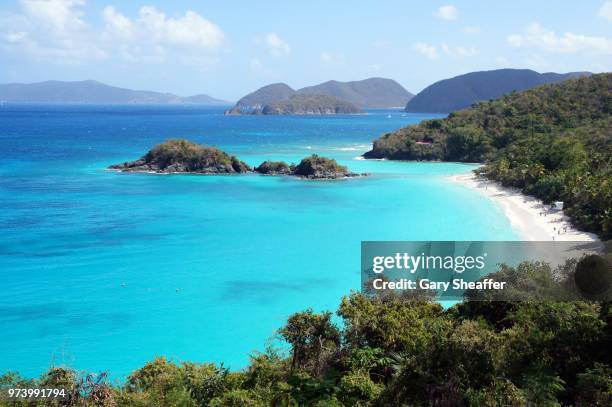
[[553, 142], [392, 351]]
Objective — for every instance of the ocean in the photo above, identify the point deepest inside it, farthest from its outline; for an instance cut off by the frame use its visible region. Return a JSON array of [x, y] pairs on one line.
[[102, 271]]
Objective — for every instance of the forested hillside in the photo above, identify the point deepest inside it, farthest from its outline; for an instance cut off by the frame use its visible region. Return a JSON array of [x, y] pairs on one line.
[[553, 142]]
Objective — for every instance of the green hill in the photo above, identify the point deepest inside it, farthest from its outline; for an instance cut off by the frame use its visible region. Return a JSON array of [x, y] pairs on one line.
[[184, 156], [462, 91], [553, 142], [276, 92], [367, 93], [310, 104]]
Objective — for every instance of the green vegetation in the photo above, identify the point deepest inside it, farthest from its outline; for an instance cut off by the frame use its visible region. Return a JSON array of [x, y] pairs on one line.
[[321, 167], [180, 155], [192, 155], [313, 167], [310, 104], [462, 91], [183, 156], [393, 351], [553, 142], [274, 167], [367, 93]]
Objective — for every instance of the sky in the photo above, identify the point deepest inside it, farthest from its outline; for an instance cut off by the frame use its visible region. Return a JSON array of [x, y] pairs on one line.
[[227, 49]]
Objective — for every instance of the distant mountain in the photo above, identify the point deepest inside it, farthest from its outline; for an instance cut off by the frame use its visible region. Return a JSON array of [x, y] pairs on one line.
[[368, 93], [91, 92], [276, 92], [462, 91], [310, 105], [203, 99]]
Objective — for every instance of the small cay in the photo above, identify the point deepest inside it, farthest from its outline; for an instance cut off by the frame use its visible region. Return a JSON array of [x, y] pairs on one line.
[[313, 167], [275, 168], [183, 156]]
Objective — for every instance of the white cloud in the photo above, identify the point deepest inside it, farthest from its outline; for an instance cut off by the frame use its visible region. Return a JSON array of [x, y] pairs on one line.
[[191, 30], [536, 36], [61, 15], [276, 45], [117, 22], [54, 30], [448, 13], [428, 50], [606, 10]]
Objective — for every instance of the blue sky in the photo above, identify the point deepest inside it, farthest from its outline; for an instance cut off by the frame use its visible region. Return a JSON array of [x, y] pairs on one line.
[[227, 49]]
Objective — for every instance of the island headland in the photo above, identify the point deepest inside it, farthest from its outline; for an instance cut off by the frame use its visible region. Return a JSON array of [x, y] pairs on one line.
[[553, 142]]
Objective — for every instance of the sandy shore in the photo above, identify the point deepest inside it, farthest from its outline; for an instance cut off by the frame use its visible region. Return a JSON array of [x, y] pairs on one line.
[[529, 216]]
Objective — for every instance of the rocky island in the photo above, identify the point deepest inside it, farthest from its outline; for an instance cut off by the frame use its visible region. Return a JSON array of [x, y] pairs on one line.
[[293, 104], [180, 156], [312, 167], [183, 156], [275, 168], [309, 105]]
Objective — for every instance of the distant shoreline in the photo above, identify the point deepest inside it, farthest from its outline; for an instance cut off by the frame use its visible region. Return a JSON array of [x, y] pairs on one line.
[[532, 219]]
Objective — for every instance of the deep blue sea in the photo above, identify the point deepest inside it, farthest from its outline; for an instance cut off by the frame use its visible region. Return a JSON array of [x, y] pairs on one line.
[[102, 271]]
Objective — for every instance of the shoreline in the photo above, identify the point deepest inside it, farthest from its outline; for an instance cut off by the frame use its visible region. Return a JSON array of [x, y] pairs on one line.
[[533, 220]]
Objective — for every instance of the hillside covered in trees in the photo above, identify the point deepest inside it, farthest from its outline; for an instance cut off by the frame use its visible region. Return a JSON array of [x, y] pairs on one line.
[[363, 94], [309, 105], [553, 142], [462, 91], [392, 350]]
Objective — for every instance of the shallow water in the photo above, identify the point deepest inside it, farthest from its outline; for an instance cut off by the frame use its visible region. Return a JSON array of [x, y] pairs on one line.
[[103, 270]]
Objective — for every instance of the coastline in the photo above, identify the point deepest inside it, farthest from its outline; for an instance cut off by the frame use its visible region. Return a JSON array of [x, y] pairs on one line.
[[532, 219]]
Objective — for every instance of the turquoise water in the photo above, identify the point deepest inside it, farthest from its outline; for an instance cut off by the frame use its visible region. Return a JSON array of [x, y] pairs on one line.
[[102, 270]]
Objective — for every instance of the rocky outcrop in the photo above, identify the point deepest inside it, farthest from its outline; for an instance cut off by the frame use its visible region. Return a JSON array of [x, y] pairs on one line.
[[183, 156], [234, 111], [274, 168], [315, 167]]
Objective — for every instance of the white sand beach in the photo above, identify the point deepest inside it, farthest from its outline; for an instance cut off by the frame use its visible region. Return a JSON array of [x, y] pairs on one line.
[[534, 220]]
